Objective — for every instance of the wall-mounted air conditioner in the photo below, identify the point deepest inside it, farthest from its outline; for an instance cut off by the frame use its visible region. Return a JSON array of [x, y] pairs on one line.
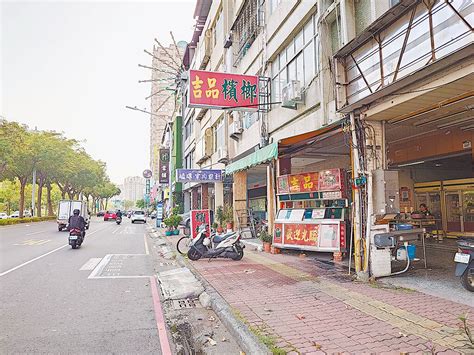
[[291, 94], [222, 156], [235, 129]]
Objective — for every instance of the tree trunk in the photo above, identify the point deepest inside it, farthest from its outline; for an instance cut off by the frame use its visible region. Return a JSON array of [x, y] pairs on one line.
[[71, 195], [40, 195], [22, 196], [48, 198], [106, 203]]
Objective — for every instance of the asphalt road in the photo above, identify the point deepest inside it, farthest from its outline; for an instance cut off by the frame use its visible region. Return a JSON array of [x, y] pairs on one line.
[[96, 299]]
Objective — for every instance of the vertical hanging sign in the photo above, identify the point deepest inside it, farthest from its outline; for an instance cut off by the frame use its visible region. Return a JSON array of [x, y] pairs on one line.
[[164, 166]]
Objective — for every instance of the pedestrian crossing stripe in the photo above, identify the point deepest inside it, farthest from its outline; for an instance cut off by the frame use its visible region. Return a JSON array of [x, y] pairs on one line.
[[34, 242]]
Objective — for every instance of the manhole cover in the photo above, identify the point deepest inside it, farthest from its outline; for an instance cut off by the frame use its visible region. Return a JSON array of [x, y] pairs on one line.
[[186, 303]]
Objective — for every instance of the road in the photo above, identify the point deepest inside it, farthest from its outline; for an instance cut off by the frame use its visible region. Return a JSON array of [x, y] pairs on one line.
[[99, 298]]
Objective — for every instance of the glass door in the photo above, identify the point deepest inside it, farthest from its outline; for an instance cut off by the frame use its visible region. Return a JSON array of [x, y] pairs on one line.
[[468, 210], [453, 211]]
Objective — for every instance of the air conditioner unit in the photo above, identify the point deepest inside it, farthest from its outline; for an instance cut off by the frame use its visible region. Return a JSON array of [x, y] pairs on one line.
[[291, 94], [222, 155], [235, 129]]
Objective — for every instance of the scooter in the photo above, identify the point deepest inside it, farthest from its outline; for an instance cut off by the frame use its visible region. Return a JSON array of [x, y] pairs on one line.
[[76, 237], [464, 260], [216, 246], [118, 220]]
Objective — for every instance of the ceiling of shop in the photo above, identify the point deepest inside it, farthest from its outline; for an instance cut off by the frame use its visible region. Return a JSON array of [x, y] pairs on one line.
[[434, 107]]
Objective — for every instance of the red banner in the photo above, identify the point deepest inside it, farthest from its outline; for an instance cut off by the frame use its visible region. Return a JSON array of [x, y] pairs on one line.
[[302, 234], [222, 90], [330, 180], [199, 217]]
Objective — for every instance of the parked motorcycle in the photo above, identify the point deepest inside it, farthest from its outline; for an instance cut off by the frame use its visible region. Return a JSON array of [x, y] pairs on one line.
[[217, 246], [76, 237], [464, 260], [118, 220]]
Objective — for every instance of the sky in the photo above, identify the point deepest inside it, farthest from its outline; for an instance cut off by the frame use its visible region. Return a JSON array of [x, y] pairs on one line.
[[72, 67]]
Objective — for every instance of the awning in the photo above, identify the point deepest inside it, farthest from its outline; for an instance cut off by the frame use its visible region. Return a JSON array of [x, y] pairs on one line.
[[260, 156]]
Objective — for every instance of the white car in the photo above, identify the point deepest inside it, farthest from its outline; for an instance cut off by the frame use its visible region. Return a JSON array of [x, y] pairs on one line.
[[3, 216], [138, 216], [15, 214]]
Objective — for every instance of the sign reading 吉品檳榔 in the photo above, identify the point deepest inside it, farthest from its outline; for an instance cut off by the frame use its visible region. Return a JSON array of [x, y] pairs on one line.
[[198, 175], [222, 90]]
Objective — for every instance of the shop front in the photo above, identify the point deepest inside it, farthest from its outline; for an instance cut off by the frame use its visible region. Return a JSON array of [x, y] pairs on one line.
[[313, 192]]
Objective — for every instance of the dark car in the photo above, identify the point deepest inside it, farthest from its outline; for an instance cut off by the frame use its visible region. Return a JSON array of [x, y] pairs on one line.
[[100, 214]]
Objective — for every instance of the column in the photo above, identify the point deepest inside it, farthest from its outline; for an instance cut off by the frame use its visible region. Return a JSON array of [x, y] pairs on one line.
[[219, 193], [205, 196], [271, 201], [240, 198], [194, 198]]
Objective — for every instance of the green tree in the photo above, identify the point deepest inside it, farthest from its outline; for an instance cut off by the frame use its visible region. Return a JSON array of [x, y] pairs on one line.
[[140, 203]]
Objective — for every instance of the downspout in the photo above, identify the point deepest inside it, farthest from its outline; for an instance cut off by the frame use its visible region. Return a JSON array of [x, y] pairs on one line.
[[356, 222]]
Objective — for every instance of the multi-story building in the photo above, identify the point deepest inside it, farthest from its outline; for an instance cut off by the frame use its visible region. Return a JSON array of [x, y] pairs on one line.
[[353, 85], [162, 104], [133, 188]]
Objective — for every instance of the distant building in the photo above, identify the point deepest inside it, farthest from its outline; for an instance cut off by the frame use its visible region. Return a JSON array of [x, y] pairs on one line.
[[133, 188]]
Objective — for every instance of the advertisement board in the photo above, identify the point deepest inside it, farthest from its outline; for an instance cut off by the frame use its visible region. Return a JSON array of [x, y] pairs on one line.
[[198, 175], [199, 217], [301, 234], [164, 166], [222, 90]]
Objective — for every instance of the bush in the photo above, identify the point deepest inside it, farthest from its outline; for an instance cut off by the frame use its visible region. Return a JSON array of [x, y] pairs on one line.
[[265, 237], [10, 221]]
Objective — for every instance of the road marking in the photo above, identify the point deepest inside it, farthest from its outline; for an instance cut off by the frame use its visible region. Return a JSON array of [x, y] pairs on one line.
[[147, 251], [115, 230], [116, 266], [91, 264], [41, 256], [160, 320], [30, 261], [48, 230], [33, 242]]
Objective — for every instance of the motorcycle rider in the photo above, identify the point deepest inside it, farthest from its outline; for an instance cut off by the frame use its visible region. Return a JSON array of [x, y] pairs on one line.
[[119, 214], [77, 221]]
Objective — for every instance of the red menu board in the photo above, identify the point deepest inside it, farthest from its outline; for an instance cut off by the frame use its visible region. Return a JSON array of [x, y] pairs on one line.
[[302, 234], [199, 217], [330, 180], [307, 182]]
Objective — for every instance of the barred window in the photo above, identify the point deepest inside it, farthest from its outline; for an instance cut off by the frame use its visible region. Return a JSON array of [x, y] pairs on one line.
[[246, 27]]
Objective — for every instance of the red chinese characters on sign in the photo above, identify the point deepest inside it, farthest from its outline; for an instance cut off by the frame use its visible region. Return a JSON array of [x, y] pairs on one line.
[[302, 234], [303, 182], [199, 217], [222, 90]]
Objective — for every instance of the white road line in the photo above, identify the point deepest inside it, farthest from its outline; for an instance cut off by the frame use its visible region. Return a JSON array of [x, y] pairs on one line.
[[147, 251], [41, 256], [91, 264], [115, 230], [48, 230], [30, 261]]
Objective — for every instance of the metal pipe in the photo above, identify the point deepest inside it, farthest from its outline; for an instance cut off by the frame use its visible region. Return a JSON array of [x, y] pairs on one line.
[[356, 221]]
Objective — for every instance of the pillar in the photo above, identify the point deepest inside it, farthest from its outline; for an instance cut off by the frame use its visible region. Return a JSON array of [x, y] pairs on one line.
[[219, 194], [239, 188], [271, 198], [204, 196], [194, 198]]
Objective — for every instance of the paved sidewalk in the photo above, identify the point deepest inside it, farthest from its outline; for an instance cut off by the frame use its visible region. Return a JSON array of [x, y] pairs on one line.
[[301, 306]]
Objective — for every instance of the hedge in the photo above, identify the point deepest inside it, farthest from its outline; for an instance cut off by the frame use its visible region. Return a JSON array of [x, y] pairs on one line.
[[9, 221]]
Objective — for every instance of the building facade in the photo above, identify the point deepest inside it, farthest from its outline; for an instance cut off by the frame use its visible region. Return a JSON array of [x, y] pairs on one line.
[[351, 86], [133, 188]]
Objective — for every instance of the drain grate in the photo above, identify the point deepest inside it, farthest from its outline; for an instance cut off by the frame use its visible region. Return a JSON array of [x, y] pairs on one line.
[[186, 303]]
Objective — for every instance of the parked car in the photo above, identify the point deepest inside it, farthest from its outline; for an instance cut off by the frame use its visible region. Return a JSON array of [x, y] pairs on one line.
[[15, 214], [100, 214], [109, 215], [138, 216], [3, 215]]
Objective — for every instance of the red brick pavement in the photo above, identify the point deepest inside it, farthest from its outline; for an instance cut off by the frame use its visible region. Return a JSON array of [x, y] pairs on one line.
[[303, 318]]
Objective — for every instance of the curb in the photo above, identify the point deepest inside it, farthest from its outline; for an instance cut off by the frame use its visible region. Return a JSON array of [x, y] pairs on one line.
[[247, 341]]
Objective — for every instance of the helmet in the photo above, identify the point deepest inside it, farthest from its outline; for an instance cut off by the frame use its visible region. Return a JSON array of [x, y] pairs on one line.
[[76, 212]]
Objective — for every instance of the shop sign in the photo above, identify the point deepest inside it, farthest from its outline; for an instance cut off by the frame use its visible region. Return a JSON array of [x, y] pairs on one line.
[[222, 90], [147, 173], [297, 183], [164, 166], [301, 234], [282, 185], [330, 180], [198, 175], [199, 217]]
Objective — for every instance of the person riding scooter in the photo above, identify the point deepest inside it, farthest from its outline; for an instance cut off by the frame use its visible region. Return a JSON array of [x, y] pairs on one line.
[[78, 222]]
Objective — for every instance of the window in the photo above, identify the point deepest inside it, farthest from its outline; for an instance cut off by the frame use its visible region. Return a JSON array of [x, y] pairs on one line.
[[298, 61], [188, 128], [188, 160], [249, 118], [246, 27]]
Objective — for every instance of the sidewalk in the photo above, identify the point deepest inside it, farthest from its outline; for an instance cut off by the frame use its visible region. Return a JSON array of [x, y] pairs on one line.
[[300, 306]]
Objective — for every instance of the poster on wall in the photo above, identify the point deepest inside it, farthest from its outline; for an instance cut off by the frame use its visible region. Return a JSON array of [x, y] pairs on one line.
[[199, 217], [278, 234], [301, 234], [282, 185]]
